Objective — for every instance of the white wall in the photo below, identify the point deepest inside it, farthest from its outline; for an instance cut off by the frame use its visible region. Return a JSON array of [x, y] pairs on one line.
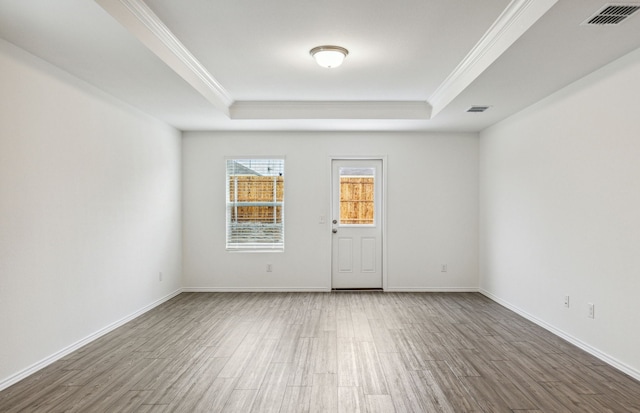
[[560, 212], [89, 212], [432, 196]]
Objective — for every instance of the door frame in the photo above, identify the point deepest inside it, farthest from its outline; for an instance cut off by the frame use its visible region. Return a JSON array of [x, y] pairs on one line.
[[383, 215]]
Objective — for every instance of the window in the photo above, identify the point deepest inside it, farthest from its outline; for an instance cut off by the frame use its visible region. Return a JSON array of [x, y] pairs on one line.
[[255, 204], [356, 196]]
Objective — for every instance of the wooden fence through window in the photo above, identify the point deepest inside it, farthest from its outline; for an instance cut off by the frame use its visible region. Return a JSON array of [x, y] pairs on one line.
[[356, 200], [263, 191]]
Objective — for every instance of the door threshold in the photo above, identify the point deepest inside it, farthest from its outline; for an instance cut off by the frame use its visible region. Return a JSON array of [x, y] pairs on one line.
[[356, 290]]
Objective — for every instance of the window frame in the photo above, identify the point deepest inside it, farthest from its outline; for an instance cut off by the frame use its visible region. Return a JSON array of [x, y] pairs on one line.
[[277, 245]]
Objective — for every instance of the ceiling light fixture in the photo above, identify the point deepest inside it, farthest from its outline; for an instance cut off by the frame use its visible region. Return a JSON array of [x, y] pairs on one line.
[[329, 56]]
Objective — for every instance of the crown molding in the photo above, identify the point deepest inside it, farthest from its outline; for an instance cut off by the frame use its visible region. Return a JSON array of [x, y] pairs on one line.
[[330, 110], [514, 21], [143, 23]]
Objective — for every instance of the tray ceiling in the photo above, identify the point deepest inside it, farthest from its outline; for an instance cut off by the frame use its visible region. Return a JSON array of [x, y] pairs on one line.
[[239, 65]]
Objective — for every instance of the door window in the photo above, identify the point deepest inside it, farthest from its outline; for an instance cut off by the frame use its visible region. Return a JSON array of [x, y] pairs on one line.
[[357, 206]]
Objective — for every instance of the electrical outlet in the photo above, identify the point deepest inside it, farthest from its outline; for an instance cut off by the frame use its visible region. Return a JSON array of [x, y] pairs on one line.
[[591, 308], [566, 301], [443, 268], [269, 268]]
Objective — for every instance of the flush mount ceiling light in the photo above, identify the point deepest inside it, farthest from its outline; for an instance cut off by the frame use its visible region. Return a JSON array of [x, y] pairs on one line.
[[329, 56]]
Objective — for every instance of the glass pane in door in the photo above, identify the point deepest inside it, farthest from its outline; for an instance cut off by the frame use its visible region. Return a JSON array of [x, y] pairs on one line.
[[357, 205]]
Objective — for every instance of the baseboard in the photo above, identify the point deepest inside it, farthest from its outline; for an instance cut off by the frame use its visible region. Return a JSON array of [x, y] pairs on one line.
[[322, 289], [11, 380], [431, 290], [612, 361], [254, 289]]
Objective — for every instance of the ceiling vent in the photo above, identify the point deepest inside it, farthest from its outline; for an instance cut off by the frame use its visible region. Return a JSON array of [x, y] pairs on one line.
[[478, 109], [612, 14]]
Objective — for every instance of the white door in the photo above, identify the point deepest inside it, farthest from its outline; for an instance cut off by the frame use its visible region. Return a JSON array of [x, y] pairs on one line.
[[356, 223]]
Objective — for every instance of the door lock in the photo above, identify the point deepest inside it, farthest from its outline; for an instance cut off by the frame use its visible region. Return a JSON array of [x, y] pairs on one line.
[[335, 221]]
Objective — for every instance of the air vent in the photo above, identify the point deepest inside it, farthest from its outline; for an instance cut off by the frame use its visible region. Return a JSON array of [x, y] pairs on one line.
[[612, 14], [478, 109]]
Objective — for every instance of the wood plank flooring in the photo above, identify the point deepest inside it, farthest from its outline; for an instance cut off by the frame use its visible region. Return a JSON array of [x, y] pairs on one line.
[[327, 352]]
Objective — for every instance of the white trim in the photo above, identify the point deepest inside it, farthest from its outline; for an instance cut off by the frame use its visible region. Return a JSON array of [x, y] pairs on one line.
[[9, 381], [246, 157], [514, 21], [330, 110], [322, 289], [612, 361], [239, 247], [255, 289], [144, 24], [147, 27], [385, 279], [431, 290]]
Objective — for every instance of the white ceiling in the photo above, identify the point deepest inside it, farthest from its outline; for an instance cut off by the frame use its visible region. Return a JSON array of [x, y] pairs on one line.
[[245, 65]]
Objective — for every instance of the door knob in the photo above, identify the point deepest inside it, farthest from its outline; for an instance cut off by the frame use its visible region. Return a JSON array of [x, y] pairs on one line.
[[334, 230]]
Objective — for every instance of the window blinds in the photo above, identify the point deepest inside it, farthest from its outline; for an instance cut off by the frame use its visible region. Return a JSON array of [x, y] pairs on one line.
[[255, 203]]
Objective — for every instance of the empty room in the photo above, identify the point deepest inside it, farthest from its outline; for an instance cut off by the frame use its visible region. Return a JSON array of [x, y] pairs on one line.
[[330, 206]]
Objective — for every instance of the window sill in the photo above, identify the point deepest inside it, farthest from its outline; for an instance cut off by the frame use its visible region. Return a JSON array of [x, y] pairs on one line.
[[254, 250]]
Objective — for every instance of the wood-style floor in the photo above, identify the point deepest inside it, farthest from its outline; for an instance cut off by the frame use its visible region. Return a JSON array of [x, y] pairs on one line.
[[331, 352]]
